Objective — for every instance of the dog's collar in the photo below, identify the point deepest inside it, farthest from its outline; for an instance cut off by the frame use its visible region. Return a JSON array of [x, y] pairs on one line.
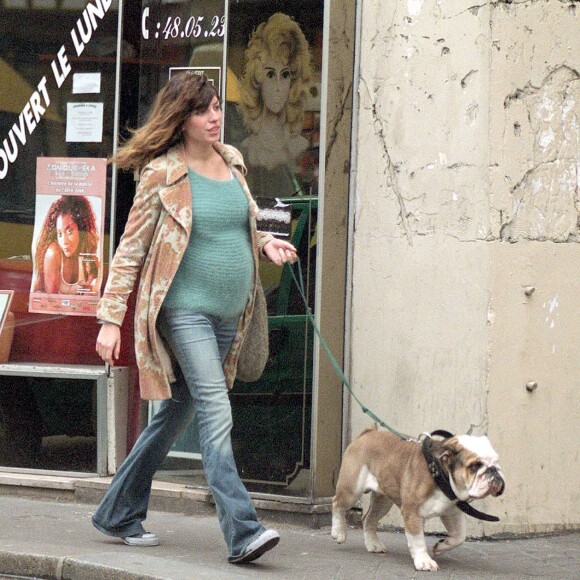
[[443, 482]]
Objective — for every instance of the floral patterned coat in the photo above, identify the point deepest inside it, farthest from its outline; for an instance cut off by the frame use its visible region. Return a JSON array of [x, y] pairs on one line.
[[153, 244]]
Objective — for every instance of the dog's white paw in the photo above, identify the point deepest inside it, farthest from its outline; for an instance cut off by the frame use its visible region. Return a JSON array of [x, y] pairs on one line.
[[444, 545], [425, 562], [377, 547], [440, 547], [373, 544], [338, 533]]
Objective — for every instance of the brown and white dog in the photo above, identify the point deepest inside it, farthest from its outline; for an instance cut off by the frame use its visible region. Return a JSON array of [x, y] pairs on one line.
[[395, 471]]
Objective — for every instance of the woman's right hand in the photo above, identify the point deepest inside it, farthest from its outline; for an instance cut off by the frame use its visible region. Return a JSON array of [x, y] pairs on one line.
[[109, 342]]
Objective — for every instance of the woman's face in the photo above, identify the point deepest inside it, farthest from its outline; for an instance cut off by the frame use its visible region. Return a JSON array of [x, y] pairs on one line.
[[67, 234], [205, 126], [276, 85]]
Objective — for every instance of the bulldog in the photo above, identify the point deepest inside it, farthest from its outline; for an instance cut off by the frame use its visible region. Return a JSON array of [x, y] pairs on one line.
[[435, 477]]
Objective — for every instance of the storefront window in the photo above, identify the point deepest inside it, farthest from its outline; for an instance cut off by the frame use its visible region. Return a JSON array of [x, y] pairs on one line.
[[269, 79], [58, 89], [57, 106]]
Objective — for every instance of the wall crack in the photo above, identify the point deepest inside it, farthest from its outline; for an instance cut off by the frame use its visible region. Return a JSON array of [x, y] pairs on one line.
[[338, 116], [390, 167]]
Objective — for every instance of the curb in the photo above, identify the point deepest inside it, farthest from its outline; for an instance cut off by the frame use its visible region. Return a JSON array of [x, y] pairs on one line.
[[64, 568]]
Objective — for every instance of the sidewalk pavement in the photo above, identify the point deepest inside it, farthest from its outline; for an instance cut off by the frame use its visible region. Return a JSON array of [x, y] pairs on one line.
[[49, 539]]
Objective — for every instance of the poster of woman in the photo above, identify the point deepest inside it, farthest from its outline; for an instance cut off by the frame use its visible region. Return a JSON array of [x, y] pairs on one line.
[[67, 247]]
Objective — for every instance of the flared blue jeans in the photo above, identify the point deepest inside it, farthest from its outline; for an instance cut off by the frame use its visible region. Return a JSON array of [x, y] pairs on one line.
[[199, 344]]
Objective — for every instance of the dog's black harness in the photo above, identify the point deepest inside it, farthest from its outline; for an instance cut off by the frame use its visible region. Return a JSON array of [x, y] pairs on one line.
[[442, 480]]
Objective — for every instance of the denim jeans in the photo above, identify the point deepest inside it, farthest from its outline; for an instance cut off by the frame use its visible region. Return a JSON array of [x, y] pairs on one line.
[[199, 344]]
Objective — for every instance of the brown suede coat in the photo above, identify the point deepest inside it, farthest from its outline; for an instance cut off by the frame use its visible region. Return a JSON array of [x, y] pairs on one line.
[[153, 244]]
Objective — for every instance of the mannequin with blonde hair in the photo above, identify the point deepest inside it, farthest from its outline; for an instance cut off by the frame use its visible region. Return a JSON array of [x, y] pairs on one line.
[[273, 88]]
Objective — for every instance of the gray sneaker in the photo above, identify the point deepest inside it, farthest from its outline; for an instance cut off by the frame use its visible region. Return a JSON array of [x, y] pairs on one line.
[[264, 542], [142, 540]]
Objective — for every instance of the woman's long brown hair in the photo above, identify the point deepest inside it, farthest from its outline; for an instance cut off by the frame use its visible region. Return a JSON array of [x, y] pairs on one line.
[[183, 95]]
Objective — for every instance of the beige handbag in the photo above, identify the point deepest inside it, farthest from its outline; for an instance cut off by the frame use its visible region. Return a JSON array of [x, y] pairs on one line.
[[255, 348]]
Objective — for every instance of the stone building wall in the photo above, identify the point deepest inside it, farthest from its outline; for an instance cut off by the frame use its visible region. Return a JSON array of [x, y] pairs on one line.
[[465, 285]]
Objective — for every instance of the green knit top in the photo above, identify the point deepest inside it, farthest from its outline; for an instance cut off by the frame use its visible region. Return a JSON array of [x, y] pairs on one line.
[[216, 272]]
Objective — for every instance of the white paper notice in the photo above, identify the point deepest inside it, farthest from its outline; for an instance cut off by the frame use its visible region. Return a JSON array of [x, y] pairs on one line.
[[86, 83], [84, 122]]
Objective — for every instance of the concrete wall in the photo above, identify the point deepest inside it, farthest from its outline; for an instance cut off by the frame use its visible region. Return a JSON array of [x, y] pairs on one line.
[[466, 194]]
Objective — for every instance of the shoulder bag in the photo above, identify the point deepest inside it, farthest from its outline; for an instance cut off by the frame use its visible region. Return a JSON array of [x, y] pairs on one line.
[[255, 347]]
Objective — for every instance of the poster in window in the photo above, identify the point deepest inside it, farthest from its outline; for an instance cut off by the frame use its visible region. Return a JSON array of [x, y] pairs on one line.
[[67, 246], [274, 99], [213, 73]]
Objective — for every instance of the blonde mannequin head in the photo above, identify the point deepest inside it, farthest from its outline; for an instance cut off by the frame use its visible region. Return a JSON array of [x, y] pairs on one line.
[[276, 75]]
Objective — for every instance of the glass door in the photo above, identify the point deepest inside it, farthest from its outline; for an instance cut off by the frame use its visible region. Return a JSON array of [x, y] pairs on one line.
[[274, 60], [179, 37], [266, 59]]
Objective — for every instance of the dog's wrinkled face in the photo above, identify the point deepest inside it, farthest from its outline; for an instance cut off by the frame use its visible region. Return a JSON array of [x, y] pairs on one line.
[[473, 466]]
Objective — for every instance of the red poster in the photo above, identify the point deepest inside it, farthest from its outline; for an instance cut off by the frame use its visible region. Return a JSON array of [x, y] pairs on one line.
[[67, 248]]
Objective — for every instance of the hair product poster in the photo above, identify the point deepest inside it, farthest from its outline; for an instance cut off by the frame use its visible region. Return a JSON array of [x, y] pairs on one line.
[[213, 73], [273, 95], [67, 246]]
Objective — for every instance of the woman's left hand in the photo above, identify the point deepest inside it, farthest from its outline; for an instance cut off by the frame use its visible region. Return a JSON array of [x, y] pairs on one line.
[[280, 252]]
